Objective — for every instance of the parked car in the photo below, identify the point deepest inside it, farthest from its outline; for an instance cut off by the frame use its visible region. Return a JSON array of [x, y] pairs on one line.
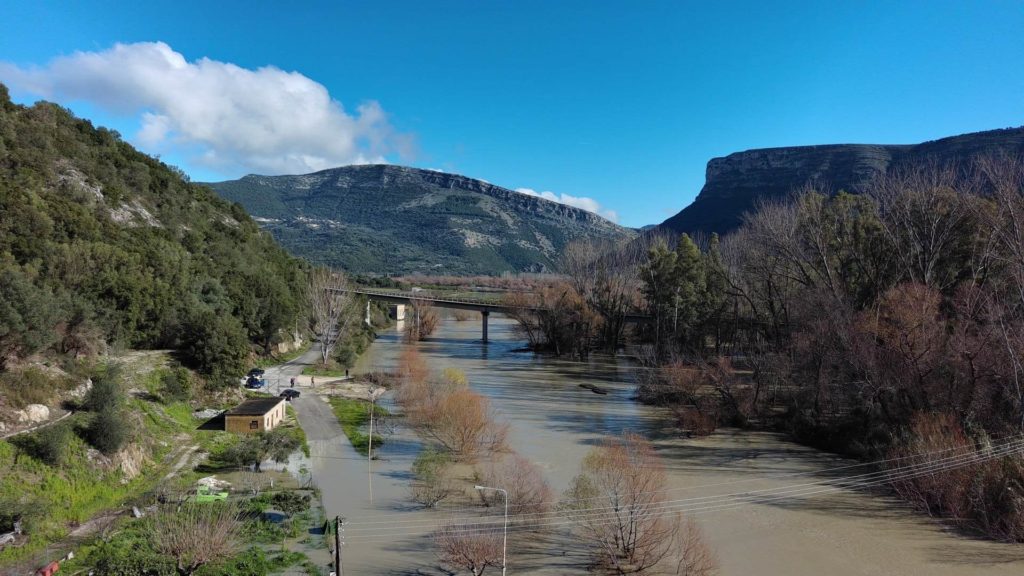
[[205, 494], [289, 394], [254, 383], [257, 372]]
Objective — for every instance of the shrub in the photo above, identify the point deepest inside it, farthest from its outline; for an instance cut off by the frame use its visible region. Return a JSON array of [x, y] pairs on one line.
[[107, 431], [48, 445], [106, 392], [431, 486], [987, 496], [176, 385], [640, 536], [469, 547], [290, 502]]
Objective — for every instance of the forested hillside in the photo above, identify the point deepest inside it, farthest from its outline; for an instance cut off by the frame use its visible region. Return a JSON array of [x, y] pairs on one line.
[[392, 219], [101, 244]]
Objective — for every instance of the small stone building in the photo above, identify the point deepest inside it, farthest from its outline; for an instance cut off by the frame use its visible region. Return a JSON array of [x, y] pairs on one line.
[[255, 415]]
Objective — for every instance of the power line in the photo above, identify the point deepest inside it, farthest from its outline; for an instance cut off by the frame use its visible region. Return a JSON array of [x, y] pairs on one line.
[[875, 463], [724, 502], [368, 520]]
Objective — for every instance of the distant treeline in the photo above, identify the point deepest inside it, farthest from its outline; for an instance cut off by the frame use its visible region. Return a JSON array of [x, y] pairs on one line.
[[101, 244]]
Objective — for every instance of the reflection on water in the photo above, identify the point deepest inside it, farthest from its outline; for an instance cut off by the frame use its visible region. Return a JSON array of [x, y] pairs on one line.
[[552, 419]]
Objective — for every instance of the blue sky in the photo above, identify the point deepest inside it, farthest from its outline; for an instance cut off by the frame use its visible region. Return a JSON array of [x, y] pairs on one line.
[[621, 103]]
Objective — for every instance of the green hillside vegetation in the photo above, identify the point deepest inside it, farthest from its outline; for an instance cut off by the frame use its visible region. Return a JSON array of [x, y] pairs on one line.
[[393, 219], [103, 245], [115, 447]]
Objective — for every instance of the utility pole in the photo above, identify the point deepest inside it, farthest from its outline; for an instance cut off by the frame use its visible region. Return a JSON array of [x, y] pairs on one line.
[[504, 538], [374, 394], [338, 523]]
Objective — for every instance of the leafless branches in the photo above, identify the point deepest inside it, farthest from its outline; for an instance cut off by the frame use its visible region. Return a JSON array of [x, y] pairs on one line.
[[528, 492], [626, 480], [423, 321], [470, 547], [332, 311]]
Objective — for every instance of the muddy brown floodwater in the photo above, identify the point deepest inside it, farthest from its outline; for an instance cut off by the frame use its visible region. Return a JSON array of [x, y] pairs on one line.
[[554, 423]]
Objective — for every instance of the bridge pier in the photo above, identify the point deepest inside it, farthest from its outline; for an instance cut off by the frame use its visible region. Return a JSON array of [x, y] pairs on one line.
[[485, 314]]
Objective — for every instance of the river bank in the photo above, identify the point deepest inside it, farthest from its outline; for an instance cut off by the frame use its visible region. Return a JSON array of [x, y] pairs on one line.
[[554, 422]]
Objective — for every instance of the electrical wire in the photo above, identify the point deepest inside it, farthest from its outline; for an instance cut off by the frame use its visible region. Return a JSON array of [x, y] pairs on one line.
[[371, 519], [718, 502]]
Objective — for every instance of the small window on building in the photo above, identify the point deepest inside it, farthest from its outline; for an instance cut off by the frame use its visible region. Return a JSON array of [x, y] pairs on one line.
[[254, 425]]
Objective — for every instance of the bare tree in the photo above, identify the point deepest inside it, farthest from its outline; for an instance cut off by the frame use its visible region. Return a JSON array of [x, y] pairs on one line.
[[423, 322], [694, 557], [606, 275], [528, 492], [196, 534], [926, 215], [469, 547], [616, 506], [332, 310], [463, 423]]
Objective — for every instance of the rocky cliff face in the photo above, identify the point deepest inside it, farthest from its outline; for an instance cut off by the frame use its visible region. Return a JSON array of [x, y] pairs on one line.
[[394, 219], [736, 183]]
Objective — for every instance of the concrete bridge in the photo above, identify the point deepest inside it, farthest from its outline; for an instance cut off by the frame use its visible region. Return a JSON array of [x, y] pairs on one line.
[[485, 307]]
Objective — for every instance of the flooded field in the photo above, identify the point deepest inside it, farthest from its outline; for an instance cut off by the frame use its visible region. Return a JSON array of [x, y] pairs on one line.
[[554, 422]]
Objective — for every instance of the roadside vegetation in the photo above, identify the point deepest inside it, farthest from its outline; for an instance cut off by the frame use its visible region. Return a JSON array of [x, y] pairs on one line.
[[354, 415], [111, 450]]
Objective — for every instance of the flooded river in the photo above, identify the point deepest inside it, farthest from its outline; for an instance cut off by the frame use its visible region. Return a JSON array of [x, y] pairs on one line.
[[554, 423]]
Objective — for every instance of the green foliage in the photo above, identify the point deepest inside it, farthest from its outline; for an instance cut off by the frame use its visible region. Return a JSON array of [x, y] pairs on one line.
[[176, 385], [99, 242], [290, 502], [107, 391], [108, 430], [357, 339], [683, 288], [28, 314], [216, 345], [353, 415], [49, 445], [252, 449], [430, 464], [130, 552]]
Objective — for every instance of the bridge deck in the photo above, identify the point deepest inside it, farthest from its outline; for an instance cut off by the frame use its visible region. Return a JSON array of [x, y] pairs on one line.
[[479, 305]]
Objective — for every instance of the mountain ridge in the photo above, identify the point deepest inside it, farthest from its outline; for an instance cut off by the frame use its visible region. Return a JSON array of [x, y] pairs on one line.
[[735, 183], [387, 218]]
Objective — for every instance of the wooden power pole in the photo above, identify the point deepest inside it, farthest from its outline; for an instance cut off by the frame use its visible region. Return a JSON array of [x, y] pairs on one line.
[[338, 523]]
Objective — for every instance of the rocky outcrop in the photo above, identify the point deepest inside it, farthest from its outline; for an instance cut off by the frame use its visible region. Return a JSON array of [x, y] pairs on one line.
[[737, 183], [33, 414]]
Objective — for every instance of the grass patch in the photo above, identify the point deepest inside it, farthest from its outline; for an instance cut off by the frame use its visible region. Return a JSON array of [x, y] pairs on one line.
[[292, 425], [353, 415], [329, 372], [275, 359]]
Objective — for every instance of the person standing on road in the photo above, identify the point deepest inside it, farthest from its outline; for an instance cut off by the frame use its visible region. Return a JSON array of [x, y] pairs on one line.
[[312, 381], [292, 382]]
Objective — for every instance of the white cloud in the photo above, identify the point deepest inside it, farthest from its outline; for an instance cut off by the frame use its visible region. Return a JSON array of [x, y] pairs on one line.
[[264, 120], [582, 202]]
